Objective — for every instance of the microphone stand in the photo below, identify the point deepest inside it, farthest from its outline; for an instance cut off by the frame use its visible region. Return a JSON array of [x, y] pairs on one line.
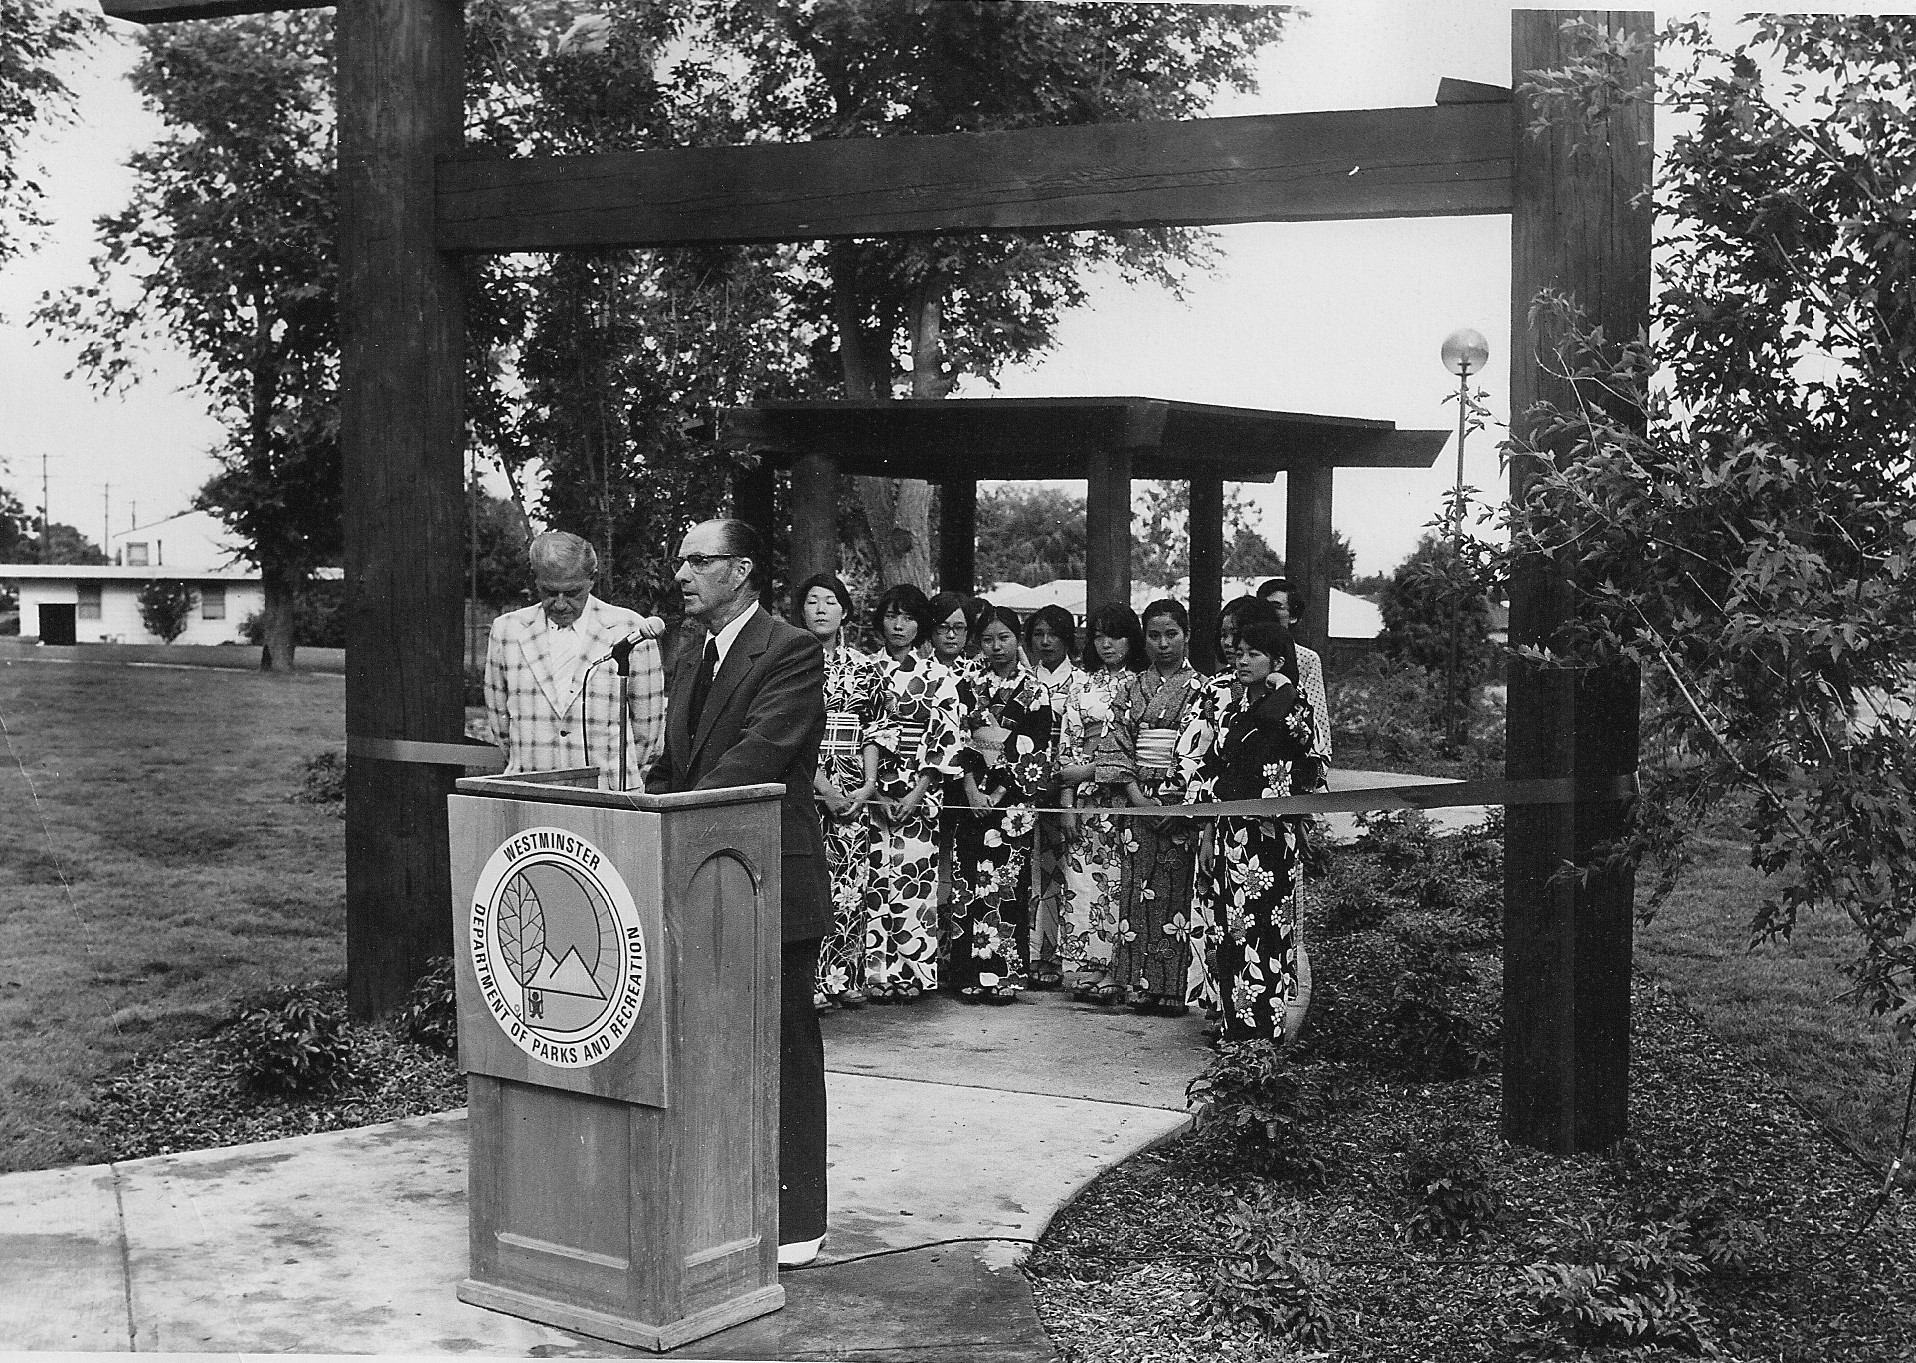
[[622, 659]]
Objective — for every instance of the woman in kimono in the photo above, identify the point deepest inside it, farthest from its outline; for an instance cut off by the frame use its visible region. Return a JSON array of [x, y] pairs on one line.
[[917, 735], [955, 620], [846, 780], [1088, 857], [1051, 638], [1248, 868], [1138, 757], [1006, 766]]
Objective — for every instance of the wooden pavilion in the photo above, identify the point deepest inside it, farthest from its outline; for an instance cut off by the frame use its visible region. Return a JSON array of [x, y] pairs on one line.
[[1107, 441], [414, 200]]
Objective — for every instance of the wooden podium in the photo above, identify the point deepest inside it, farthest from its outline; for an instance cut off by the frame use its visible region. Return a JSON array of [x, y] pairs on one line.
[[618, 1025]]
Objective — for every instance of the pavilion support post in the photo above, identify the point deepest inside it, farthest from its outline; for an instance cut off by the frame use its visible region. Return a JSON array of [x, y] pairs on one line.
[[814, 511], [1566, 1037], [754, 494], [1107, 550], [401, 370], [958, 536], [1207, 570], [1307, 547]]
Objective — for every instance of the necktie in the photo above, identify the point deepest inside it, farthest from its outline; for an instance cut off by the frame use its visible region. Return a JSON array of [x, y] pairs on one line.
[[702, 682]]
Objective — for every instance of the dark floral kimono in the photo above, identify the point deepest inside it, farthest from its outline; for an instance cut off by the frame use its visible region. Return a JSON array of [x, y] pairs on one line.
[[991, 885], [1259, 748]]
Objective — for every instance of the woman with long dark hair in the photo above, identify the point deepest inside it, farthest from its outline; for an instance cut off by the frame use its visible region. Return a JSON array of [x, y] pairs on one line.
[[1248, 867], [1051, 638], [918, 736], [1007, 765], [1083, 864], [844, 785], [1138, 757]]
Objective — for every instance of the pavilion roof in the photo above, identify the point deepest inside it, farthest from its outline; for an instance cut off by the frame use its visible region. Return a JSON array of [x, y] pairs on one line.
[[946, 439]]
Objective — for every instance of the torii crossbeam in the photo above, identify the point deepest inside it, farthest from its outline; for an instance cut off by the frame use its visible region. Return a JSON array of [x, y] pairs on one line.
[[412, 201]]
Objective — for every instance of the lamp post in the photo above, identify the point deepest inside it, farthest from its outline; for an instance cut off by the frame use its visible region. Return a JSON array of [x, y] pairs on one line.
[[1464, 352]]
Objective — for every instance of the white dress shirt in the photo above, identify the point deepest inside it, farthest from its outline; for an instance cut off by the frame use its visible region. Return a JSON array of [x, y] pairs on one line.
[[726, 637]]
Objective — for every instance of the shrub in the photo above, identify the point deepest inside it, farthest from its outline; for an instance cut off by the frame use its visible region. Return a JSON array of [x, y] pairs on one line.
[[319, 617], [1255, 1095], [1263, 1279], [165, 608], [293, 1040], [323, 781], [1449, 1181], [1427, 1023], [431, 1013], [475, 684], [1620, 1287]]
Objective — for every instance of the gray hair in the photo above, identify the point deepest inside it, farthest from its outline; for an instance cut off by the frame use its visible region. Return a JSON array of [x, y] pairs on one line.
[[560, 554]]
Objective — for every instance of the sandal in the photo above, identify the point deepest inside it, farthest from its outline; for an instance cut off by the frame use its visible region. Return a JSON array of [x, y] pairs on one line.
[[1047, 977], [1105, 992], [1171, 1008], [971, 993], [908, 993], [852, 998], [997, 993]]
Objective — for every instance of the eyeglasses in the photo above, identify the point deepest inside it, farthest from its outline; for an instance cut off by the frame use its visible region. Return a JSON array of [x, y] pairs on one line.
[[698, 563], [958, 628]]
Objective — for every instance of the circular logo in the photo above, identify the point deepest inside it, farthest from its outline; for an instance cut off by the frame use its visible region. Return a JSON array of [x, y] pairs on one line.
[[558, 948]]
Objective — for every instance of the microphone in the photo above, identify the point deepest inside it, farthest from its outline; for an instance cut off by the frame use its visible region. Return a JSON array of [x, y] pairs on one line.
[[649, 627]]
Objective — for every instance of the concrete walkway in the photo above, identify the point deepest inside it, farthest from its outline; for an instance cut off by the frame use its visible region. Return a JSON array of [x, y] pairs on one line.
[[948, 1122]]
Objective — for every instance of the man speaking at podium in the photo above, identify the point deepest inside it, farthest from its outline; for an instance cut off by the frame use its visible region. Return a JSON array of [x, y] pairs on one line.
[[753, 710]]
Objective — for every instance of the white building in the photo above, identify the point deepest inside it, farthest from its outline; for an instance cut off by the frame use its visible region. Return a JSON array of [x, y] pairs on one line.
[[100, 604]]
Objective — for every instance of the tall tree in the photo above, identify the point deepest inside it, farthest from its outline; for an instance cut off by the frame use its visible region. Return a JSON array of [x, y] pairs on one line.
[[35, 36], [227, 249], [915, 315], [1752, 546], [1029, 534]]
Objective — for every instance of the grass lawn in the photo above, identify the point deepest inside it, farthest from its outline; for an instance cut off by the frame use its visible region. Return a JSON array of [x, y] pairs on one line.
[[152, 871], [1776, 1003]]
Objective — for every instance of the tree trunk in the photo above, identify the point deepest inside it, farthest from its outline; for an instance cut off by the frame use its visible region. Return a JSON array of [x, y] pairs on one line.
[[898, 510], [276, 653]]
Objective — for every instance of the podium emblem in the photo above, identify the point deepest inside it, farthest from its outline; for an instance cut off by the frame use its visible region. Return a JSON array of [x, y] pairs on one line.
[[558, 948]]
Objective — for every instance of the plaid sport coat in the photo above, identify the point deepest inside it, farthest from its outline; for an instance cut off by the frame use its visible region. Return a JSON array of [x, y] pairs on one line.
[[544, 730]]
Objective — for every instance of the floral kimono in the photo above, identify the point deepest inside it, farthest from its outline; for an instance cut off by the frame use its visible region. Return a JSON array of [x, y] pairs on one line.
[[1083, 866], [1259, 748], [918, 730], [854, 688], [1157, 857], [991, 887]]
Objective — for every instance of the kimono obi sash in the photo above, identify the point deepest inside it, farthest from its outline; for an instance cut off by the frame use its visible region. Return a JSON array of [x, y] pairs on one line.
[[843, 733], [910, 736], [1157, 748]]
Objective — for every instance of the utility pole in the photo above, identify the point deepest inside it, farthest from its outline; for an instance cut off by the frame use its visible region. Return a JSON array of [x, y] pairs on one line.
[[106, 517], [46, 548]]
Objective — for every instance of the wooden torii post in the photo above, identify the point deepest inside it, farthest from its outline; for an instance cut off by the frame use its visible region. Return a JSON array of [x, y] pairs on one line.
[[413, 202]]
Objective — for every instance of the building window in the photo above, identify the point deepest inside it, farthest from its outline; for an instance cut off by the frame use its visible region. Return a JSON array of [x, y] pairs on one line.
[[212, 601], [136, 556], [89, 602]]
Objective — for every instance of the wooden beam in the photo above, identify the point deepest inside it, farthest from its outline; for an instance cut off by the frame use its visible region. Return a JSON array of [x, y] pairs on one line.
[[169, 11], [1107, 548], [1206, 526], [814, 500], [1307, 545], [1440, 161], [958, 535], [401, 433], [1566, 1039]]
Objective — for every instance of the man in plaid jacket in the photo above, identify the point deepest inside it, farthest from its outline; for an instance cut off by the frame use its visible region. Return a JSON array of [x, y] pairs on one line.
[[551, 684]]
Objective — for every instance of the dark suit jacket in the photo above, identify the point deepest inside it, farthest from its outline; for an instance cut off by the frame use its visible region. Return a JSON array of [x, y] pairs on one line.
[[763, 720]]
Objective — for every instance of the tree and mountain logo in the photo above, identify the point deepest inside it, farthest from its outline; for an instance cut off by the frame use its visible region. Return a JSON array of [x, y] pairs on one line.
[[558, 948]]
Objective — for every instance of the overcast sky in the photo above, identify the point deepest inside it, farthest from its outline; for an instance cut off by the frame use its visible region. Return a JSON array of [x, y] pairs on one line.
[[1339, 318]]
